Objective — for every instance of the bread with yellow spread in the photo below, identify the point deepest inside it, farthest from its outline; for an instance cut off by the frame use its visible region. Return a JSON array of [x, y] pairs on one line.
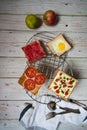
[[59, 45]]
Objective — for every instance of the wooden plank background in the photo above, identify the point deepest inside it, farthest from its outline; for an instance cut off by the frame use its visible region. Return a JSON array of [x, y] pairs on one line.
[[14, 34]]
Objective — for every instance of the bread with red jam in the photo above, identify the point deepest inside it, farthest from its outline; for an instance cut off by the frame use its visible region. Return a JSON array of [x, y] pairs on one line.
[[34, 51]]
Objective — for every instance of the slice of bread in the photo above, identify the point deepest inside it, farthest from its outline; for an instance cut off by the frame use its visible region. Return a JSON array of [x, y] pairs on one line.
[[34, 51], [58, 46], [32, 79], [63, 85]]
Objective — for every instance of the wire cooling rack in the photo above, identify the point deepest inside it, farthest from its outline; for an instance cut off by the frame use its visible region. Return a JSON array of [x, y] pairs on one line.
[[48, 66]]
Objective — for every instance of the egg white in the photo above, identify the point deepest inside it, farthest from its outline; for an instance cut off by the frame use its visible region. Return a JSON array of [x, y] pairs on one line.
[[56, 49]]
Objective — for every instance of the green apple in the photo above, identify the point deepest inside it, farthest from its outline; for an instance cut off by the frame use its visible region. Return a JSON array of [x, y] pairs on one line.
[[32, 21]]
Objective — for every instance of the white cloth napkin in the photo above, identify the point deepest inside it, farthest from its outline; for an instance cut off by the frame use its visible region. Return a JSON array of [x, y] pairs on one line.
[[35, 119]]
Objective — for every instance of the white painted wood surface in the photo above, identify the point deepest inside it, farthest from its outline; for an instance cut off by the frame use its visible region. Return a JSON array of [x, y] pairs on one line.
[[14, 34]]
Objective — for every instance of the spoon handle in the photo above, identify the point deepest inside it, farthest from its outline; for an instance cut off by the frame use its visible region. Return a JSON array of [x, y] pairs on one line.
[[70, 109], [84, 106]]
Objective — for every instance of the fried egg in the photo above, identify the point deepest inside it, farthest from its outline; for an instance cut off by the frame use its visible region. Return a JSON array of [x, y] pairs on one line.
[[59, 45]]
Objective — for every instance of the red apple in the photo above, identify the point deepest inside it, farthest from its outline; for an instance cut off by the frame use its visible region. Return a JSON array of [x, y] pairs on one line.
[[50, 18]]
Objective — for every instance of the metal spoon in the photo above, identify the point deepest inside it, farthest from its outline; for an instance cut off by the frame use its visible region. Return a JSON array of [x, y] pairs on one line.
[[51, 105]]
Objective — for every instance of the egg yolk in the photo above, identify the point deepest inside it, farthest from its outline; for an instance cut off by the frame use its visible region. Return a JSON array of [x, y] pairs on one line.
[[61, 46]]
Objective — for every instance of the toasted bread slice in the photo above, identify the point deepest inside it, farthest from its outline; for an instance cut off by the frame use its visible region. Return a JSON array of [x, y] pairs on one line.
[[34, 51], [58, 46], [63, 85], [32, 79]]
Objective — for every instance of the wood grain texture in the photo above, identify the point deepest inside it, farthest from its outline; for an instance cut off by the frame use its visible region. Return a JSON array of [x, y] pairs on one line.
[[14, 124], [10, 87], [62, 7], [8, 68], [14, 34], [12, 42], [10, 125], [11, 109], [66, 23], [12, 69]]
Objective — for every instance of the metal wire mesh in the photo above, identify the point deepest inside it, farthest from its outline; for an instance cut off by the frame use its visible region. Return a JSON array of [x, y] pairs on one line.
[[48, 65]]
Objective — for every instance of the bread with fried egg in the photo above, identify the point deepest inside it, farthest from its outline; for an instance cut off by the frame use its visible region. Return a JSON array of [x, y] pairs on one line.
[[59, 45]]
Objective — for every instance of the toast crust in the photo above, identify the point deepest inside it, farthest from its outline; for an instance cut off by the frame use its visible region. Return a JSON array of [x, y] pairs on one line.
[[34, 51], [57, 38], [63, 85], [32, 79]]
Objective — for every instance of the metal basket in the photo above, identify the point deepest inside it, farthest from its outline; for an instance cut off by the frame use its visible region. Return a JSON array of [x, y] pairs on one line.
[[48, 66]]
